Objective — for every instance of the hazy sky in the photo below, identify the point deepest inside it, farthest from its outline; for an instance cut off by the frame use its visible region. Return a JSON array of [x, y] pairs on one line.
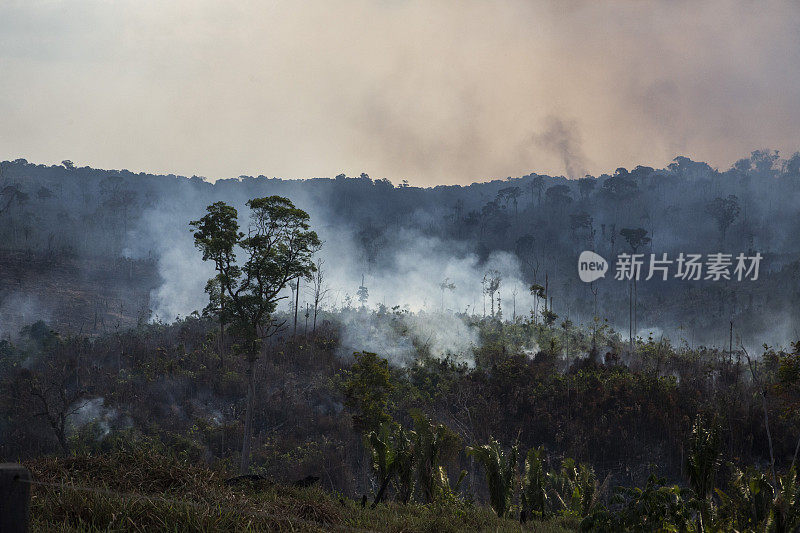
[[434, 92]]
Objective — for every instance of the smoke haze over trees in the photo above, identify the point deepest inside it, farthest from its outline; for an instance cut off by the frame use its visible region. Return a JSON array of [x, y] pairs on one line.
[[404, 241], [439, 331], [401, 265]]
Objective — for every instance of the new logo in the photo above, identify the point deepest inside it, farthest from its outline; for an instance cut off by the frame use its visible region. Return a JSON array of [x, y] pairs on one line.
[[591, 266]]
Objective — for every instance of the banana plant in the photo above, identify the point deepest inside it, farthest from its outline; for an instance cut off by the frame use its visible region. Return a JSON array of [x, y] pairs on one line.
[[573, 487], [656, 507], [534, 489], [500, 470], [785, 509], [433, 445], [702, 463], [404, 463], [444, 491], [392, 453], [747, 502]]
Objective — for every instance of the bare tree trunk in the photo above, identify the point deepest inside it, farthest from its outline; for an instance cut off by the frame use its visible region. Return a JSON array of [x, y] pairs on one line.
[[222, 331], [244, 465], [769, 434], [766, 414], [61, 435], [630, 316], [514, 305], [483, 295], [296, 303], [730, 350], [381, 491], [635, 308], [546, 288], [796, 449]]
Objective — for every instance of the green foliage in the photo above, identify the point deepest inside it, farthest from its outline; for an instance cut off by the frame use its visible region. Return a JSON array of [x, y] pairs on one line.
[[500, 468], [746, 502], [549, 317], [393, 459], [435, 444], [572, 487], [704, 457], [403, 464], [703, 460], [162, 493], [278, 248], [656, 507], [576, 407], [366, 387], [785, 511], [754, 503], [534, 488]]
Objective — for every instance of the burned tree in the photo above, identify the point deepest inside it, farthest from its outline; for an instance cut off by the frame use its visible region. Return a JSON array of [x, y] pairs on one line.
[[446, 285], [636, 238], [319, 290], [48, 387], [362, 293], [491, 284]]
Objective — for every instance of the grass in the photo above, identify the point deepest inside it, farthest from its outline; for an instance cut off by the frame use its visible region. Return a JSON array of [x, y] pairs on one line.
[[134, 491]]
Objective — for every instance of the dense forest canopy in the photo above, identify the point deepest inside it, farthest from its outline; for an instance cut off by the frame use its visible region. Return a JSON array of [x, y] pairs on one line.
[[405, 242]]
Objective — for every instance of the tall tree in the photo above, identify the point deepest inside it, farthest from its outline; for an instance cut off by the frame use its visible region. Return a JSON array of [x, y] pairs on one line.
[[537, 291], [446, 285], [509, 194], [586, 186], [725, 211], [491, 283], [636, 238], [558, 196], [319, 289], [362, 293], [278, 248], [538, 184]]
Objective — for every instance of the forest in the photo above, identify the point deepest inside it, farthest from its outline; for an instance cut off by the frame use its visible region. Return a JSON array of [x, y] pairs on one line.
[[345, 353]]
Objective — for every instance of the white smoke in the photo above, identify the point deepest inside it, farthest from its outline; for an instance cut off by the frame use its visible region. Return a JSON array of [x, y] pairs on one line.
[[412, 267], [93, 411], [164, 234], [435, 280], [21, 308], [402, 335]]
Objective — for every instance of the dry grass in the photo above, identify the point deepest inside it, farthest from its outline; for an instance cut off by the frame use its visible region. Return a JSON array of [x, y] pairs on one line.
[[135, 491]]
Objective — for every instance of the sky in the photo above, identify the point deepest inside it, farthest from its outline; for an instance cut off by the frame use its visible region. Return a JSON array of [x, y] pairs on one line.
[[433, 92]]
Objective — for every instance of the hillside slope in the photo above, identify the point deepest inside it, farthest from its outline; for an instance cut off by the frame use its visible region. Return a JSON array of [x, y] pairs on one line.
[[148, 492]]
